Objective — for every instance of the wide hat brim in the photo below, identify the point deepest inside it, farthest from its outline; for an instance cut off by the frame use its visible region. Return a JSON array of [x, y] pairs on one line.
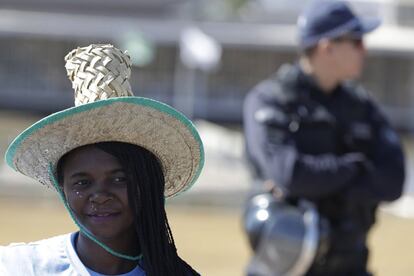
[[148, 123]]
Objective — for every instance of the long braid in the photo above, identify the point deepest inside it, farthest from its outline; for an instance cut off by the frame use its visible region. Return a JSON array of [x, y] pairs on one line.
[[146, 199]]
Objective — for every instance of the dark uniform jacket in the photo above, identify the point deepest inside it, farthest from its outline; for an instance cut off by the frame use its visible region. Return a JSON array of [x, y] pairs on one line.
[[336, 150]]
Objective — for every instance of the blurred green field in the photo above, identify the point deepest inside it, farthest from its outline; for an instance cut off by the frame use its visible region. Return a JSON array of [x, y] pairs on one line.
[[209, 238]]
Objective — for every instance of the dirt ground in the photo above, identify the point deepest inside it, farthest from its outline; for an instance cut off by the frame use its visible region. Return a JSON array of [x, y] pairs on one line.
[[209, 238]]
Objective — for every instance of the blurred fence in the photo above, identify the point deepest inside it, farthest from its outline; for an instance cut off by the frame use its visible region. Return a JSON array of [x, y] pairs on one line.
[[256, 37]]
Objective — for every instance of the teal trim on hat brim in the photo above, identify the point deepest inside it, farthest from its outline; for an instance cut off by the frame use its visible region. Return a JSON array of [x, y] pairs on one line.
[[13, 147]]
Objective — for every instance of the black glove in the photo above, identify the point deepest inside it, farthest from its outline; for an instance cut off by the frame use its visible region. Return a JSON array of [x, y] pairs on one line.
[[359, 137]]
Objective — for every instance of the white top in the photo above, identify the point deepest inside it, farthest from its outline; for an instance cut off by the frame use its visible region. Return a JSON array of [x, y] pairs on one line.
[[53, 256]]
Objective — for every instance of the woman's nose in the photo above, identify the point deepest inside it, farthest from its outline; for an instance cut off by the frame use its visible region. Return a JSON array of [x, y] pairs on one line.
[[100, 197]]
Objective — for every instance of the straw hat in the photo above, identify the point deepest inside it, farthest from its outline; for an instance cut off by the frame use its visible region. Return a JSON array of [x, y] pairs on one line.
[[106, 110]]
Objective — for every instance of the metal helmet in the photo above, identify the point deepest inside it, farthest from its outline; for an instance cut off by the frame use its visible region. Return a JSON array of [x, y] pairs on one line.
[[285, 237]]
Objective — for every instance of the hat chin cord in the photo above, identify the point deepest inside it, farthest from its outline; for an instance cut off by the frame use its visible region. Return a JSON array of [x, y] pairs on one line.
[[82, 228]]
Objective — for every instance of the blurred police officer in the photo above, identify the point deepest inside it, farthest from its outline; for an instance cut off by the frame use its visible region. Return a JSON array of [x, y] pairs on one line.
[[318, 136]]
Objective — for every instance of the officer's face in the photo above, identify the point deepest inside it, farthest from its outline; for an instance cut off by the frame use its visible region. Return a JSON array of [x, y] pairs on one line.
[[348, 57]]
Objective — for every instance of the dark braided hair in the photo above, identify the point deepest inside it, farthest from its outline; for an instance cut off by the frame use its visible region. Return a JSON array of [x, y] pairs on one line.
[[146, 199]]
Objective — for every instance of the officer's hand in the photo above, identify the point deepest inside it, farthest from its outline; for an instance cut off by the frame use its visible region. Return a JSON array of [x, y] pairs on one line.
[[358, 138], [364, 165], [354, 157], [359, 190]]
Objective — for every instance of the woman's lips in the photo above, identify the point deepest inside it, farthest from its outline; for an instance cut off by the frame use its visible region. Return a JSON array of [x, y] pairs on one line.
[[102, 217]]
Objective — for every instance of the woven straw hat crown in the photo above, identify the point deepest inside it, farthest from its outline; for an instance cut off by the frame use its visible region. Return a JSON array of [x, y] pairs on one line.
[[98, 72]]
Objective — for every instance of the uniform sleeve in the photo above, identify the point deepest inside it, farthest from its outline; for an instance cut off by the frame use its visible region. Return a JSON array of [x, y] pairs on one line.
[[272, 150], [383, 176]]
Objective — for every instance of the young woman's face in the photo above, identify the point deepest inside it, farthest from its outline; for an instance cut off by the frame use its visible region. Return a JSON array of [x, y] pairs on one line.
[[95, 186]]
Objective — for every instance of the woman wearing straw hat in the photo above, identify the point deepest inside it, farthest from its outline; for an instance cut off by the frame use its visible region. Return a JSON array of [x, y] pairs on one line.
[[113, 159]]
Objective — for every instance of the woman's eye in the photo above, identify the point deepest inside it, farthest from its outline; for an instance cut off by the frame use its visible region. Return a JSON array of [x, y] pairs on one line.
[[120, 179], [81, 183]]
